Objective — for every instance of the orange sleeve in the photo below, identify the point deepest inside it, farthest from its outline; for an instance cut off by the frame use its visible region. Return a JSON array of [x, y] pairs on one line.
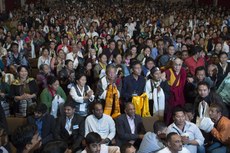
[[221, 133]]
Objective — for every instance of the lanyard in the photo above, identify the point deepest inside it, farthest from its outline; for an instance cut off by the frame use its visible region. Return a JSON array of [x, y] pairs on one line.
[[82, 92]]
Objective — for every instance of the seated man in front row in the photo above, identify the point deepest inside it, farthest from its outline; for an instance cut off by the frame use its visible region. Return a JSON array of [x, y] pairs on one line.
[[93, 145], [44, 121], [26, 139], [154, 141], [220, 131], [129, 127], [70, 127], [191, 135], [174, 144], [100, 123]]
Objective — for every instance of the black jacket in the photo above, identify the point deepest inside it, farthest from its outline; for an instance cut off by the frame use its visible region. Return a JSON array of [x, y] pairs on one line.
[[221, 75], [78, 131], [213, 97], [124, 133], [48, 127]]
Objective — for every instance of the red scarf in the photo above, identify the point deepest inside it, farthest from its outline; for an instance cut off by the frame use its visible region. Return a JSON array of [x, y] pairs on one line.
[[52, 91]]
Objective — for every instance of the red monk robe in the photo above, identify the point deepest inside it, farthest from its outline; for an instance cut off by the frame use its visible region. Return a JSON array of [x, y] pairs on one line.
[[176, 83]]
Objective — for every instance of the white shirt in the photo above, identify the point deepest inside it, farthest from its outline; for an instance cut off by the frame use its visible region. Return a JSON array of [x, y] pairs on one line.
[[3, 52], [92, 34], [192, 130], [104, 149], [41, 61], [68, 124], [107, 149], [65, 49], [46, 29], [76, 97], [20, 45], [3, 149], [166, 150], [150, 143], [225, 47], [70, 55], [131, 28], [74, 57], [131, 124], [105, 126]]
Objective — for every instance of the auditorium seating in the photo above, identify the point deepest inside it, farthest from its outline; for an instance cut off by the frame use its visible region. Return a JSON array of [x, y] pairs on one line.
[[14, 122]]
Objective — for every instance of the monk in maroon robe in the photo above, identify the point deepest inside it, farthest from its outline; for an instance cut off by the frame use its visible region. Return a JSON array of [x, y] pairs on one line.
[[176, 77]]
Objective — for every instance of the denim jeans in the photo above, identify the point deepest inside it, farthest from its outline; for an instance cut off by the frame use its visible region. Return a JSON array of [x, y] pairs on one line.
[[217, 147], [201, 149]]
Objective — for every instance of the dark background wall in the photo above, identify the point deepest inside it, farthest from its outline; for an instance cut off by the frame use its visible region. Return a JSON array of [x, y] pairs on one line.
[[13, 4]]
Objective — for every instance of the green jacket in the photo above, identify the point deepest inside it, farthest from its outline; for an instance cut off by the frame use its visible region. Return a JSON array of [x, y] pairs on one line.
[[224, 89], [47, 98]]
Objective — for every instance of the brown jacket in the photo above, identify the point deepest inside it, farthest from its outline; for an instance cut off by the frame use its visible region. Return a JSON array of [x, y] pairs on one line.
[[221, 131]]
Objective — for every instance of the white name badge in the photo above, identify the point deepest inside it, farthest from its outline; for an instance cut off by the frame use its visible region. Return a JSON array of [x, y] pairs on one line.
[[82, 107], [75, 127]]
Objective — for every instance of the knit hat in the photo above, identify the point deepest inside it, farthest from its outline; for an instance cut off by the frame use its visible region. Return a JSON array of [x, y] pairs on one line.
[[154, 69]]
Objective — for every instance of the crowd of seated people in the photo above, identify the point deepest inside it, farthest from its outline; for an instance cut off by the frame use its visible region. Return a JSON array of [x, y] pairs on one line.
[[104, 66]]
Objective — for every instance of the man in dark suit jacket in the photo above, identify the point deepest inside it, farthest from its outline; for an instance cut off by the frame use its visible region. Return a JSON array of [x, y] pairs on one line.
[[44, 121], [70, 127], [129, 127]]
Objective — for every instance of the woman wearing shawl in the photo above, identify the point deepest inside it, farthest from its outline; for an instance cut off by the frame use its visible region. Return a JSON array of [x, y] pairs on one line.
[[158, 92], [82, 95], [24, 91], [52, 94]]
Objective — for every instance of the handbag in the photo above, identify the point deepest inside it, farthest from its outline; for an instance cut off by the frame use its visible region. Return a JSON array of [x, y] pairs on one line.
[[57, 106]]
